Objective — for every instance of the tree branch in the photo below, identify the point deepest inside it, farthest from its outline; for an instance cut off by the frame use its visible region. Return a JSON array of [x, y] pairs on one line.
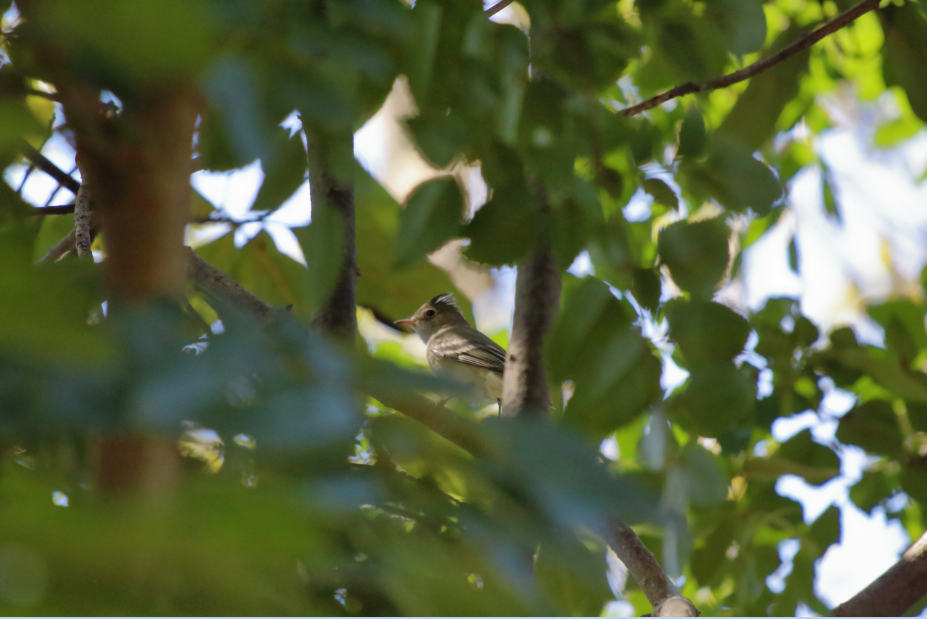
[[761, 65], [59, 209], [641, 563], [223, 288], [82, 220], [497, 7], [338, 317], [537, 297], [893, 593], [41, 162]]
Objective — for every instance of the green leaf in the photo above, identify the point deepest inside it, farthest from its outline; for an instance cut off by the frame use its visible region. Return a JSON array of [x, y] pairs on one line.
[[574, 577], [440, 137], [826, 529], [431, 217], [874, 427], [661, 192], [793, 253], [390, 292], [261, 268], [800, 449], [914, 479], [742, 23], [692, 47], [284, 173], [870, 490], [830, 201], [753, 120], [505, 229], [903, 322], [593, 343], [590, 318], [53, 228], [647, 287], [692, 135], [734, 178], [904, 54], [707, 332], [127, 42], [716, 398], [710, 559], [322, 242], [696, 254], [707, 482]]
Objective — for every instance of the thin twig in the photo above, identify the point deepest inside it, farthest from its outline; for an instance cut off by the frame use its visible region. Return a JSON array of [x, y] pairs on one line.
[[41, 93], [82, 220], [220, 286], [60, 250], [497, 7], [758, 67], [41, 162], [59, 209]]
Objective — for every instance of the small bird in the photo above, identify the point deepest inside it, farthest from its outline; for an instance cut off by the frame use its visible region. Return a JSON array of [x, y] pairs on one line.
[[457, 350]]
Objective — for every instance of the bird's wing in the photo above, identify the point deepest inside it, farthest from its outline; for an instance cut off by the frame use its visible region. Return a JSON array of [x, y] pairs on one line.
[[474, 349]]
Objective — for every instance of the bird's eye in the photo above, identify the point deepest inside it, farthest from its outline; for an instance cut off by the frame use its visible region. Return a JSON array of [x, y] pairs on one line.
[[430, 313]]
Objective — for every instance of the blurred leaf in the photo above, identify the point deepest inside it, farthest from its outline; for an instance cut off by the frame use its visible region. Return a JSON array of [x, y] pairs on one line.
[[574, 577], [274, 277], [647, 287], [717, 398], [53, 228], [870, 490], [322, 242], [284, 173], [238, 131], [696, 254], [707, 482], [505, 229], [392, 293], [692, 136], [830, 202], [130, 40], [734, 178], [742, 23], [582, 494], [914, 479], [46, 308], [432, 217], [691, 47], [874, 427], [441, 137], [904, 54], [800, 449], [706, 332], [903, 322], [826, 529], [753, 120], [590, 318], [661, 192]]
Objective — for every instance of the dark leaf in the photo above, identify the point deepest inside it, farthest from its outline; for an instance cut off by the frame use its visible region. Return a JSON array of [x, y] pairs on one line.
[[432, 217], [696, 254], [707, 332]]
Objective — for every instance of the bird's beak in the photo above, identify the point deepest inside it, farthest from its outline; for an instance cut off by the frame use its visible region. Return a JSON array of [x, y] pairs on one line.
[[406, 322]]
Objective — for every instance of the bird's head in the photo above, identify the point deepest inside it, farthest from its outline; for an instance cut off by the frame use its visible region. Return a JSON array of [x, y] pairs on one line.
[[440, 312]]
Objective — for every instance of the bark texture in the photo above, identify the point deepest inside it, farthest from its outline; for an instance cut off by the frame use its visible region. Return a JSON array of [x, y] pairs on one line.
[[893, 593], [338, 316]]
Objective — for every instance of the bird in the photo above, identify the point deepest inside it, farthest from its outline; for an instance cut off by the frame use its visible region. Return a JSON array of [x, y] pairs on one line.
[[457, 350]]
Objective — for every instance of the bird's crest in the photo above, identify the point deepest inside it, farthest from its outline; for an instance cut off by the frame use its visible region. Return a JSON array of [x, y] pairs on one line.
[[448, 300]]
